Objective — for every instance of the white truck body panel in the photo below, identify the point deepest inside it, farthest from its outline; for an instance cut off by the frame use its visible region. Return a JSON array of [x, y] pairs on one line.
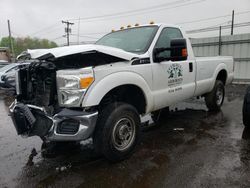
[[153, 78], [206, 75], [155, 84]]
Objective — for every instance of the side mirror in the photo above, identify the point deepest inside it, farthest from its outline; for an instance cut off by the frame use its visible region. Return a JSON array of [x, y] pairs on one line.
[[178, 51]]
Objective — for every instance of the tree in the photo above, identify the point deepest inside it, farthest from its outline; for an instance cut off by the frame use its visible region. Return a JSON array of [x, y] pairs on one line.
[[22, 44]]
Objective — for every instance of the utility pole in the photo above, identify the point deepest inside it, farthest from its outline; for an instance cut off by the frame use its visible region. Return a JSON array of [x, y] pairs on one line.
[[219, 41], [232, 26], [78, 32], [67, 29], [10, 40]]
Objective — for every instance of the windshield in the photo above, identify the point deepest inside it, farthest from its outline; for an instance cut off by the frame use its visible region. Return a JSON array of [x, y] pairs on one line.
[[135, 40], [7, 67]]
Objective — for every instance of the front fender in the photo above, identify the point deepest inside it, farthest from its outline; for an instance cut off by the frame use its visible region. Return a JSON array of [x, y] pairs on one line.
[[99, 89]]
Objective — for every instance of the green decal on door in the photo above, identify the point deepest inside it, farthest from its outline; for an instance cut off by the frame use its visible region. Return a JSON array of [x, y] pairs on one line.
[[175, 72]]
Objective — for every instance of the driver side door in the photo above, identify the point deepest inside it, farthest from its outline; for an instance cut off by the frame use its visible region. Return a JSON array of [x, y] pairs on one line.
[[173, 81]]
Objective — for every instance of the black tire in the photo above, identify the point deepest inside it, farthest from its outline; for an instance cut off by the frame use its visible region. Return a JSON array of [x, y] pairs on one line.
[[246, 109], [160, 115], [214, 99], [113, 125]]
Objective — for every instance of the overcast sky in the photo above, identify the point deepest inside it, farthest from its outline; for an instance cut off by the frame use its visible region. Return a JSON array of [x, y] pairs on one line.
[[42, 18]]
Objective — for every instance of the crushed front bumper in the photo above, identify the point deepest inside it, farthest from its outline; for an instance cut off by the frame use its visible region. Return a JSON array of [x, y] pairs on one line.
[[67, 125]]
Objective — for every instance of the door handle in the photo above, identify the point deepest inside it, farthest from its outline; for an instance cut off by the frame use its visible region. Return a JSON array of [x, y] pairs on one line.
[[191, 67]]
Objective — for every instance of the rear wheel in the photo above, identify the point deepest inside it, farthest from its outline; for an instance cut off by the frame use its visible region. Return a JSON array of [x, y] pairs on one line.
[[215, 98], [117, 131], [246, 109]]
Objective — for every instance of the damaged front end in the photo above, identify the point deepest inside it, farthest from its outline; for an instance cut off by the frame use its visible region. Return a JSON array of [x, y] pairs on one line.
[[48, 102], [67, 125], [50, 91], [42, 97]]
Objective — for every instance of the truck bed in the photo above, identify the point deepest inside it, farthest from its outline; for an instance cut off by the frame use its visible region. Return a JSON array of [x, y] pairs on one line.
[[206, 75]]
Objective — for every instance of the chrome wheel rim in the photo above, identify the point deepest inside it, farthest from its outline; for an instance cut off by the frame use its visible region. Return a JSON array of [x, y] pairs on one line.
[[219, 96], [123, 134]]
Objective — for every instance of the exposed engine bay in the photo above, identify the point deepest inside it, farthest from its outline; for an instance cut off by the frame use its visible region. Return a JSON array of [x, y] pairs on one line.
[[37, 82], [37, 85]]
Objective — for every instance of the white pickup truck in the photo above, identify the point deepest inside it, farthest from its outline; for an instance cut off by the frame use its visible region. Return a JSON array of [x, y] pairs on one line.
[[102, 90]]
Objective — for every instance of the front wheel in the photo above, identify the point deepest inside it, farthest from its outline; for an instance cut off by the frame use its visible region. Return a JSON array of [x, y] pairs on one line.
[[215, 98], [117, 131]]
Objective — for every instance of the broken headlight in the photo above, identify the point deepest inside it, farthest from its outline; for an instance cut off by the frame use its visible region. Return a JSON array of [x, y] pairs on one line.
[[72, 85]]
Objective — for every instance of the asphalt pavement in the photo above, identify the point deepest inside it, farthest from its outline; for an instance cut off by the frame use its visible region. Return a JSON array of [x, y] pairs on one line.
[[192, 148]]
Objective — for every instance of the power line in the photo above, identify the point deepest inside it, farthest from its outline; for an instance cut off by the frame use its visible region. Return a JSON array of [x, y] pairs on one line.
[[121, 14], [97, 33], [131, 11], [213, 18], [84, 36], [194, 21], [15, 34], [45, 28], [141, 11], [124, 14], [47, 31], [207, 29], [56, 38]]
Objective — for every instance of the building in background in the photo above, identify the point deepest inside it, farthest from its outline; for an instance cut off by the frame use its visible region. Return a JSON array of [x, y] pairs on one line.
[[237, 46], [5, 54]]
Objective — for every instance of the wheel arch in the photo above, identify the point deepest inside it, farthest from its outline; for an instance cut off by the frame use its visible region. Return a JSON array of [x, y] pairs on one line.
[[128, 93], [219, 73], [222, 76]]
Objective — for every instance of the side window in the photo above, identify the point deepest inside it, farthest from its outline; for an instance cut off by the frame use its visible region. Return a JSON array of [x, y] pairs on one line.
[[164, 40]]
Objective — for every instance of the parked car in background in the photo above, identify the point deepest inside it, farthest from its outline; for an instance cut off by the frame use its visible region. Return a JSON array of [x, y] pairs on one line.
[[7, 74], [246, 108], [3, 63]]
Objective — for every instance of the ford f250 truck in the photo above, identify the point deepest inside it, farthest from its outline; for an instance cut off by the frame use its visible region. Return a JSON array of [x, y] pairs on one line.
[[102, 90]]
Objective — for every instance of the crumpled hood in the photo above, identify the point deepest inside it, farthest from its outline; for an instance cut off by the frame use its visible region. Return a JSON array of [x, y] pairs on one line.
[[70, 50]]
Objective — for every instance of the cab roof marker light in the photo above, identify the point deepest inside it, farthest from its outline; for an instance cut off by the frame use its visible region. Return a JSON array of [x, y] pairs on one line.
[[136, 25], [122, 28], [152, 22], [129, 26]]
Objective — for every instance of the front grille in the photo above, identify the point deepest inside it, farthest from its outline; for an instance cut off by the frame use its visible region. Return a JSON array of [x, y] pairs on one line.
[[36, 85], [68, 126]]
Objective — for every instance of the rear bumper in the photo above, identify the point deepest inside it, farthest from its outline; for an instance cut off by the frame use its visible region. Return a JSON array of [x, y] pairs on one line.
[[57, 128]]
